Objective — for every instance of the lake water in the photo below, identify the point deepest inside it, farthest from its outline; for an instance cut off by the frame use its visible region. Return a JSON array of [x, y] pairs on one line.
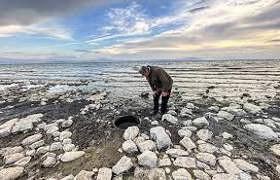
[[260, 79]]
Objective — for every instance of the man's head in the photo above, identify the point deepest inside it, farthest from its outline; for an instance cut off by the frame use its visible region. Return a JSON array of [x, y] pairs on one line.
[[145, 71]]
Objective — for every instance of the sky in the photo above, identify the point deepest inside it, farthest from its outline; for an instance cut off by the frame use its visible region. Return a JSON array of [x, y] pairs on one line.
[[83, 30]]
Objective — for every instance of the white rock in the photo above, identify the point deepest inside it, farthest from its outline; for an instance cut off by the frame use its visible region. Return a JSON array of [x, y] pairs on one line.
[[67, 141], [129, 147], [49, 162], [37, 144], [69, 177], [224, 176], [177, 152], [104, 174], [245, 166], [254, 109], [262, 131], [5, 129], [204, 134], [208, 148], [31, 139], [161, 137], [67, 123], [169, 118], [188, 143], [147, 159], [9, 159], [70, 156], [22, 162], [26, 124], [154, 123], [185, 112], [43, 150], [228, 165], [245, 176], [147, 145], [207, 158], [69, 147], [30, 152], [84, 175], [185, 132], [214, 108], [12, 150], [227, 135], [123, 165], [200, 122], [278, 168], [275, 149], [65, 135], [165, 161], [185, 162], [131, 133], [56, 146], [225, 115], [201, 175], [181, 174], [11, 173]]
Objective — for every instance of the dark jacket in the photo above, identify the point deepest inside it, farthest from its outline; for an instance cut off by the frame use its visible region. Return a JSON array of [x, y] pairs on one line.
[[159, 80]]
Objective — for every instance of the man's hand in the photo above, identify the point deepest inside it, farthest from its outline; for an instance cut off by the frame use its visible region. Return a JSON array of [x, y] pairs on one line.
[[156, 92], [165, 94]]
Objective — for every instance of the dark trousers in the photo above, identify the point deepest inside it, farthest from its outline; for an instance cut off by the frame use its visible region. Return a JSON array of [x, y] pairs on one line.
[[164, 101]]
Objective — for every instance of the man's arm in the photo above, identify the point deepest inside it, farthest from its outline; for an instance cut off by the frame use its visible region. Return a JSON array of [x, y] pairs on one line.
[[165, 80]]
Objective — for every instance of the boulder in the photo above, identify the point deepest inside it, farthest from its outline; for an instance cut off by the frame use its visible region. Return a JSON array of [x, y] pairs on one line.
[[177, 152], [245, 166], [224, 176], [84, 175], [129, 147], [185, 132], [275, 149], [131, 132], [56, 146], [123, 165], [161, 137], [147, 159], [199, 174], [23, 162], [147, 145]]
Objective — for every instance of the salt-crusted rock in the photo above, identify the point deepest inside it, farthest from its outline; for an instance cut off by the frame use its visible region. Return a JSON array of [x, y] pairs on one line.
[[181, 174], [147, 159], [26, 124], [56, 146], [188, 143], [254, 109], [9, 159], [207, 158], [169, 118], [176, 152], [69, 147], [262, 131], [149, 174], [49, 162], [67, 123], [165, 161], [104, 174], [43, 150], [185, 162], [227, 135], [70, 156], [228, 165], [275, 149], [37, 144], [5, 129], [200, 122], [245, 166], [11, 173], [225, 115], [65, 135], [161, 137], [123, 165], [204, 134], [208, 148], [22, 162], [201, 175], [31, 139], [147, 145], [69, 177], [12, 150], [51, 129], [185, 132], [129, 147], [84, 175], [224, 176], [131, 133]]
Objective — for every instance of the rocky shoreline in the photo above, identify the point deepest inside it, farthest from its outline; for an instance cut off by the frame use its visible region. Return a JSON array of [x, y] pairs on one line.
[[71, 135]]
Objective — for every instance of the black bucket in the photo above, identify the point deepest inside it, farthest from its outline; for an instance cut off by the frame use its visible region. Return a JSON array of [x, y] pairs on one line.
[[126, 121]]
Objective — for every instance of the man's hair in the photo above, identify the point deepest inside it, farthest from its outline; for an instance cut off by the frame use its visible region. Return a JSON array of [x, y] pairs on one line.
[[143, 69]]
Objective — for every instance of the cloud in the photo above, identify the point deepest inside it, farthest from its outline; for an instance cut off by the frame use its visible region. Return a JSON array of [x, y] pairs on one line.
[[27, 12]]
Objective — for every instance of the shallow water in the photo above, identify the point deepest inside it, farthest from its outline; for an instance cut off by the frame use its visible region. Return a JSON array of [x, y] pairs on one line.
[[222, 78]]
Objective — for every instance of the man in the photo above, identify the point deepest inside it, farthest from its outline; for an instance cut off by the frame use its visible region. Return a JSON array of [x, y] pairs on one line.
[[161, 84]]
